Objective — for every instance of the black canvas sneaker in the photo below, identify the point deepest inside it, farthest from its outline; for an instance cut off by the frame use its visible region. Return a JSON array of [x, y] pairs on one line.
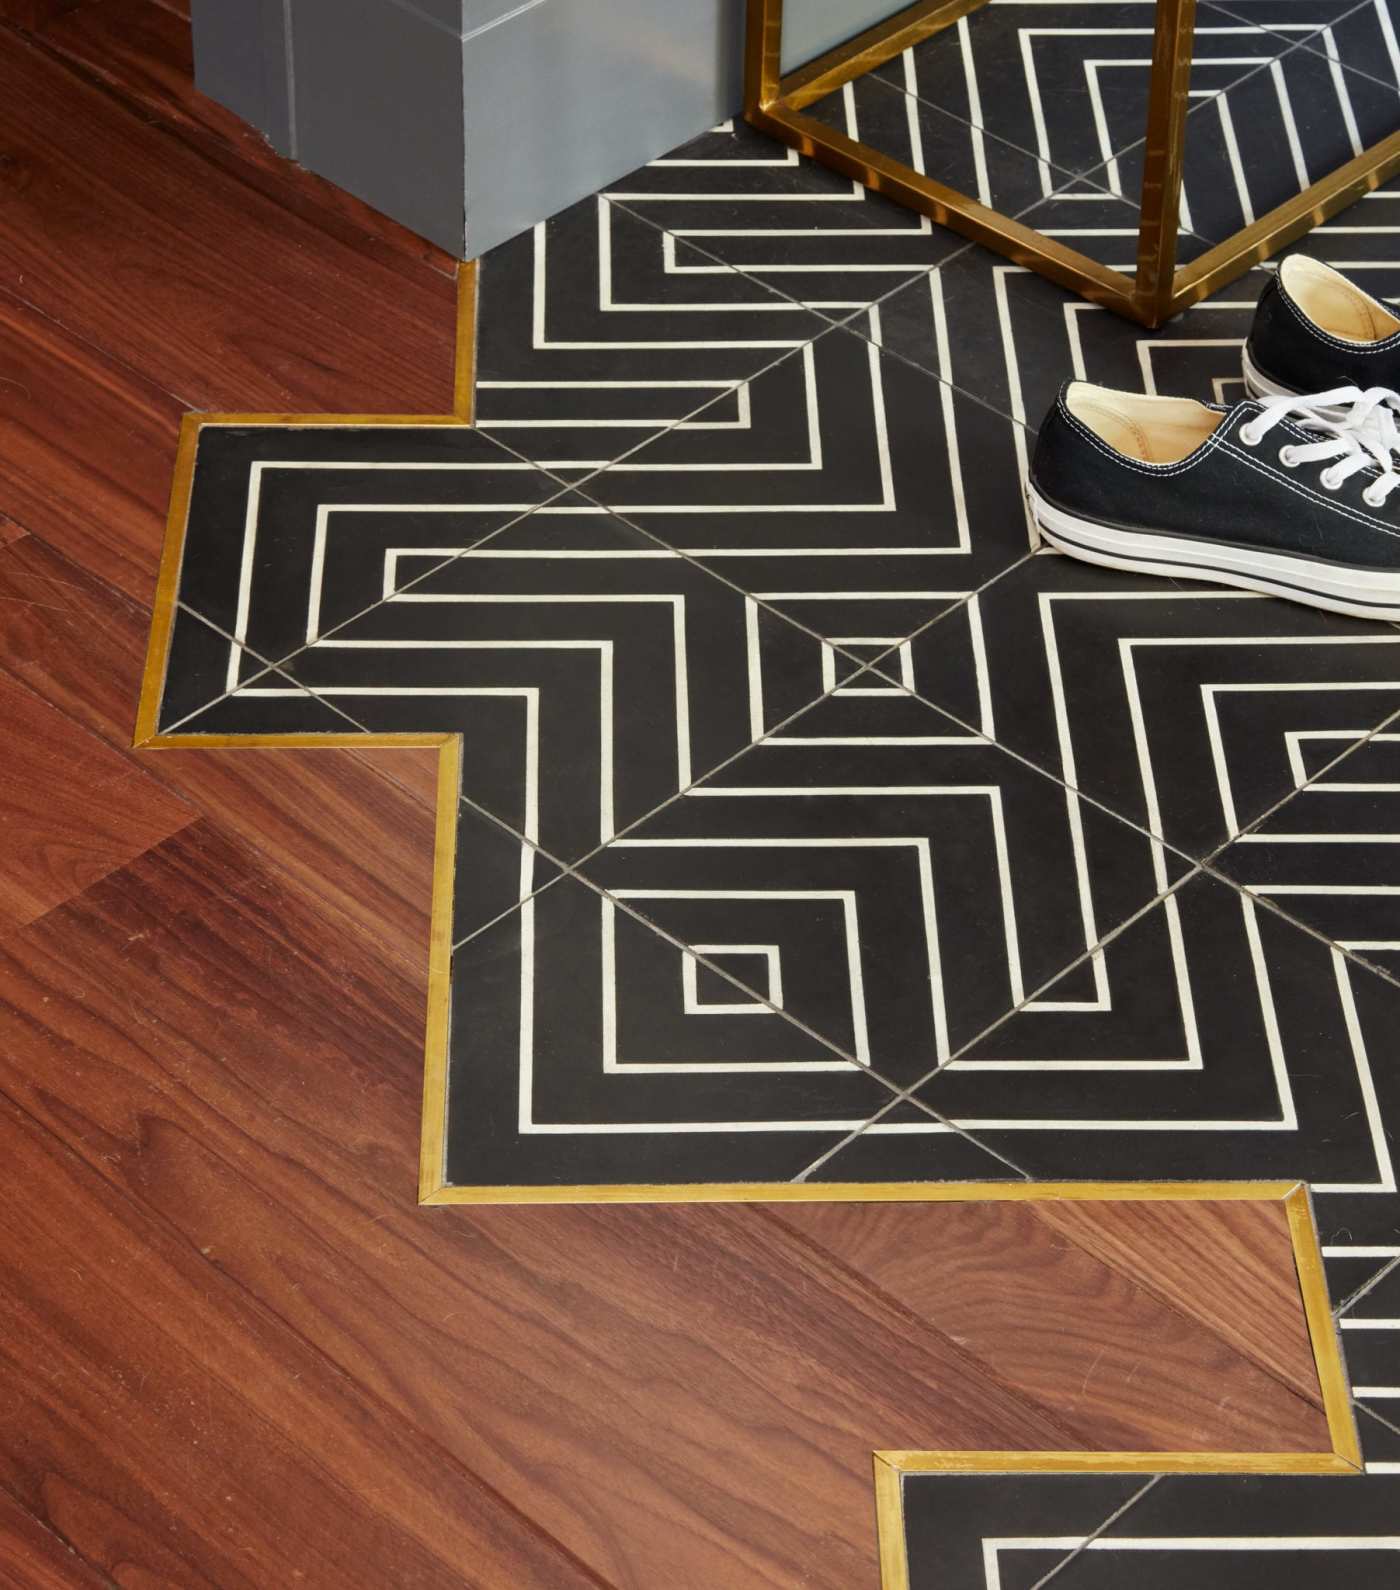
[[1313, 329], [1293, 496]]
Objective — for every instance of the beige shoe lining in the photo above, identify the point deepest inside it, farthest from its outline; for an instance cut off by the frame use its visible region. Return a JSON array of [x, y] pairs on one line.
[[1329, 300], [1157, 430]]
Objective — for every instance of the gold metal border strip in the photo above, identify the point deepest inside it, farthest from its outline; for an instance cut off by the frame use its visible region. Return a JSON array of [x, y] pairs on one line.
[[774, 103], [889, 1467], [1342, 1458], [448, 746]]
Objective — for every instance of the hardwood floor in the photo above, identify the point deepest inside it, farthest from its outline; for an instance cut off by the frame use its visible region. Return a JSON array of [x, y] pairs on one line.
[[232, 1349]]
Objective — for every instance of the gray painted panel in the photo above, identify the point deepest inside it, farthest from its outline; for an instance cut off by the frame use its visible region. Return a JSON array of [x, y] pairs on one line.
[[568, 95], [811, 26], [482, 13], [240, 60], [545, 102], [447, 12], [378, 105]]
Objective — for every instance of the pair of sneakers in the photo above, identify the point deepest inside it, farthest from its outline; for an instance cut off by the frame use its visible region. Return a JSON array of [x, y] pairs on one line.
[[1294, 491]]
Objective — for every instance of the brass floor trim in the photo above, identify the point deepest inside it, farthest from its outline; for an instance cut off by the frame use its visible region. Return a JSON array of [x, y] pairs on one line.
[[1343, 1455], [448, 746], [1342, 1458]]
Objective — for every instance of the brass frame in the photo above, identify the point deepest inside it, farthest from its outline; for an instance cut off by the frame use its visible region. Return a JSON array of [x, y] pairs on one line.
[[774, 102]]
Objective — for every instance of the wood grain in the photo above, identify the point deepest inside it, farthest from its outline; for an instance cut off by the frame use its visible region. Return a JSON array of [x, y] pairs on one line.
[[684, 1396], [101, 499], [71, 809], [232, 1350], [238, 302], [34, 1558], [232, 1455], [1240, 1286], [369, 855], [1103, 1341], [34, 14], [597, 1367]]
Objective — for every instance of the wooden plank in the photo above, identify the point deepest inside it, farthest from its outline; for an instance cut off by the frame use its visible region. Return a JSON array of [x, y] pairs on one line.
[[367, 855], [141, 51], [679, 1395], [1241, 1284], [212, 289], [33, 14], [88, 446], [1134, 1362], [176, 1432], [618, 1375], [34, 1558], [71, 809]]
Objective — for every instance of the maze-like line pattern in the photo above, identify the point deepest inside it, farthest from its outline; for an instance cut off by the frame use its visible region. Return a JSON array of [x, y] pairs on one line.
[[892, 900]]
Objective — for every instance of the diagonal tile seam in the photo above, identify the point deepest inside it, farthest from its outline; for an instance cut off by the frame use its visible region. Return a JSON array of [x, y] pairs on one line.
[[866, 311], [1353, 1298], [1108, 1522], [966, 245], [1319, 31], [570, 871], [907, 1094], [1380, 1418], [1243, 83], [1267, 900], [566, 487], [603, 510], [564, 484], [1202, 862], [755, 273]]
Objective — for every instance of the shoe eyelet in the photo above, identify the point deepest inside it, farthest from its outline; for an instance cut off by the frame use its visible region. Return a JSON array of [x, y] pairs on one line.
[[1328, 480], [1249, 436], [1288, 457], [1371, 500]]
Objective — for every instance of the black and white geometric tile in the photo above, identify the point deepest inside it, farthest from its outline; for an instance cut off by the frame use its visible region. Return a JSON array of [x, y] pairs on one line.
[[813, 823], [1107, 1531], [739, 617]]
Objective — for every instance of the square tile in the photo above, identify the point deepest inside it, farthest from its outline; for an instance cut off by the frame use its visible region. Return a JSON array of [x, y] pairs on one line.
[[890, 117], [852, 478], [574, 1060], [1173, 704], [949, 1519], [752, 202], [926, 881], [592, 672], [1225, 1042], [595, 329], [1265, 138], [1065, 81], [291, 529], [1327, 856]]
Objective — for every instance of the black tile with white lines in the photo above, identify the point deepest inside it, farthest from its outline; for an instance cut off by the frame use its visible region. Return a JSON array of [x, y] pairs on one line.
[[1105, 1531], [1085, 876]]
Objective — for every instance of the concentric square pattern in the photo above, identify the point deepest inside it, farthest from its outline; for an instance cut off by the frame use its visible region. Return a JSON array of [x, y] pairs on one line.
[[812, 823]]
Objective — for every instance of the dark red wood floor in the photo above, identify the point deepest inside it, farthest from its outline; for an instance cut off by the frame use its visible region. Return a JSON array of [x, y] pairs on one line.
[[232, 1350]]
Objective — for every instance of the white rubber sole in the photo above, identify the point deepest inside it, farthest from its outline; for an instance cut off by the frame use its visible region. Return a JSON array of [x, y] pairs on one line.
[[1359, 593], [1260, 385]]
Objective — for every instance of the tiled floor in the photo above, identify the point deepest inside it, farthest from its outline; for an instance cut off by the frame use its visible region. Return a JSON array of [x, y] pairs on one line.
[[813, 824]]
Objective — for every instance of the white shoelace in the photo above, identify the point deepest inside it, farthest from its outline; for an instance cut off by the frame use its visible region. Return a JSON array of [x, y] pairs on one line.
[[1355, 429]]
